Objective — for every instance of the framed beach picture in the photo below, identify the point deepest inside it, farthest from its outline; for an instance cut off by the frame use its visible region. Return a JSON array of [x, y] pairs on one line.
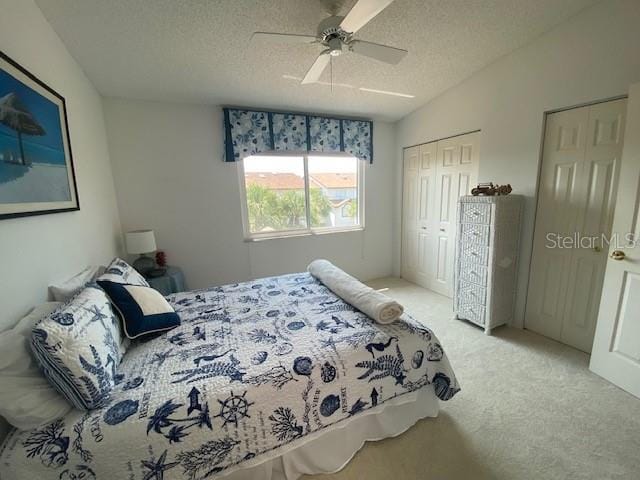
[[36, 168]]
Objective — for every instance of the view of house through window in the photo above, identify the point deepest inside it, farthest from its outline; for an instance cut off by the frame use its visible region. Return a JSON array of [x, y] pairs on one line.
[[290, 194]]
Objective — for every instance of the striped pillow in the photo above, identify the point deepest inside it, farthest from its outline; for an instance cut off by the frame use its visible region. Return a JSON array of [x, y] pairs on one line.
[[120, 271], [79, 348]]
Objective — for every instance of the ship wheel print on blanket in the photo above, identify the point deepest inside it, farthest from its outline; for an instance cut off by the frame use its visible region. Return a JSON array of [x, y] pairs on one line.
[[234, 408], [253, 369]]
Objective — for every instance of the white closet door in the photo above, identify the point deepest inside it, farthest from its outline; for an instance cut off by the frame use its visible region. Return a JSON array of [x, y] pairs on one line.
[[576, 198], [597, 191], [426, 212], [616, 348], [436, 174], [456, 173], [558, 197], [410, 213]]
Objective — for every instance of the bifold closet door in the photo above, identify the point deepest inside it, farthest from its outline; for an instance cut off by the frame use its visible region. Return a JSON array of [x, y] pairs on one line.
[[457, 163], [426, 212], [436, 174], [409, 213], [576, 201]]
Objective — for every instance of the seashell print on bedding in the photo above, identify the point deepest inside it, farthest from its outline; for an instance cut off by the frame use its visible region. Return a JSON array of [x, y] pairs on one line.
[[253, 369]]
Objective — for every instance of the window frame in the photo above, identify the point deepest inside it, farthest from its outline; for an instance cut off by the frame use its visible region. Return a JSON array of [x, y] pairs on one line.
[[301, 232]]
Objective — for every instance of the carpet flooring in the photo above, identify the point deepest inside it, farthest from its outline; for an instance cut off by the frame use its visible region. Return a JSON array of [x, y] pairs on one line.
[[529, 409]]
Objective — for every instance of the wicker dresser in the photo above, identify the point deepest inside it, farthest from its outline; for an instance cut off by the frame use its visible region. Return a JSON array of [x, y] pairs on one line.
[[486, 259]]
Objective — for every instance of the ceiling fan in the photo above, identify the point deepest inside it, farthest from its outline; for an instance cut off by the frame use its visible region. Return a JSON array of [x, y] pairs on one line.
[[335, 34]]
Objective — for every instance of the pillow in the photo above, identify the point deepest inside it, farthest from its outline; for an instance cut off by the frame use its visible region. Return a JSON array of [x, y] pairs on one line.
[[120, 271], [79, 348], [27, 400], [143, 309], [65, 291]]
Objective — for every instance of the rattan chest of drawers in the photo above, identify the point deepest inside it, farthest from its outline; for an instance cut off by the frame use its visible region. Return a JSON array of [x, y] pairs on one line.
[[487, 259]]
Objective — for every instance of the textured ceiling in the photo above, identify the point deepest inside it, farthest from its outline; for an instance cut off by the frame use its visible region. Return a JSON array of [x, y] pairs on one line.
[[199, 51]]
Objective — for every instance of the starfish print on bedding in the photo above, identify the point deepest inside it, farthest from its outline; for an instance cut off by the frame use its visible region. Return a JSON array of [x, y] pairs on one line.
[[98, 316], [156, 468], [161, 357]]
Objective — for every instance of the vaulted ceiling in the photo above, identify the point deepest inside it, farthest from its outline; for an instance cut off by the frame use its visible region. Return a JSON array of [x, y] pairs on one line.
[[199, 51]]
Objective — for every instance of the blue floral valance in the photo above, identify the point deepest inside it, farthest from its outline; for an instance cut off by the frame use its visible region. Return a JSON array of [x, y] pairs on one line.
[[248, 132]]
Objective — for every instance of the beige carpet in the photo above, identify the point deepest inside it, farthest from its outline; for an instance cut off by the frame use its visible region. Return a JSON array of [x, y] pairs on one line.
[[529, 409]]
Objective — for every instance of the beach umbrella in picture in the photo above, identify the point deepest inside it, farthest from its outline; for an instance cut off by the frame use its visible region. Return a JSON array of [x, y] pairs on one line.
[[15, 115]]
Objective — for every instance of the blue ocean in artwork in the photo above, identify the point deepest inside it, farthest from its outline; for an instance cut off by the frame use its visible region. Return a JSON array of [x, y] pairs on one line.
[[32, 162]]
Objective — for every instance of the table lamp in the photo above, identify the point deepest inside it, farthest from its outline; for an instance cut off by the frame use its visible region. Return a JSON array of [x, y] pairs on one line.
[[142, 242]]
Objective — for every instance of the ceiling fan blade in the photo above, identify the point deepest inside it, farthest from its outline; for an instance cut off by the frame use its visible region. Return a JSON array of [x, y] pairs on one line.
[[383, 53], [314, 73], [282, 38], [386, 92], [362, 13]]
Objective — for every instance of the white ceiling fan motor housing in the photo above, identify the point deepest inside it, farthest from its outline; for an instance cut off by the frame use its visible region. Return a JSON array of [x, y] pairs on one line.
[[330, 33]]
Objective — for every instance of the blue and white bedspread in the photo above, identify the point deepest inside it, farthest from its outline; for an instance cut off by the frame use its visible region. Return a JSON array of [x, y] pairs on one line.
[[255, 369]]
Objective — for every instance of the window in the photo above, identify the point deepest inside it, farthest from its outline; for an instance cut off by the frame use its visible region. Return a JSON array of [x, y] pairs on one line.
[[300, 194]]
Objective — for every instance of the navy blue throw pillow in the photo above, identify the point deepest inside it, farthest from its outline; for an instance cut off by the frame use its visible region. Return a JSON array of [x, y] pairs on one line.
[[143, 310]]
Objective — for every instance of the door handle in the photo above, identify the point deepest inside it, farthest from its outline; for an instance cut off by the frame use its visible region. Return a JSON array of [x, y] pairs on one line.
[[423, 228], [618, 255]]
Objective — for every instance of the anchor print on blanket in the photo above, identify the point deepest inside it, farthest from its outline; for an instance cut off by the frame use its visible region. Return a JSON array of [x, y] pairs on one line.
[[253, 369]]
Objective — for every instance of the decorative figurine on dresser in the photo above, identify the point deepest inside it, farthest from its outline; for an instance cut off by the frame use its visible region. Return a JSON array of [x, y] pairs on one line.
[[486, 259]]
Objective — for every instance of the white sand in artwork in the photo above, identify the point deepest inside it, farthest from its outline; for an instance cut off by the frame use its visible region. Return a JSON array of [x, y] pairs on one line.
[[42, 183]]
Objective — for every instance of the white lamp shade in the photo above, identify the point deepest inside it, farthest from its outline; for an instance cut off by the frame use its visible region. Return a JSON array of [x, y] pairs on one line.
[[141, 241]]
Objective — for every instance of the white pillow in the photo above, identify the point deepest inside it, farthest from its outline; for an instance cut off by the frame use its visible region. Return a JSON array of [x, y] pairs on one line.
[[65, 291], [27, 400], [79, 348], [120, 271]]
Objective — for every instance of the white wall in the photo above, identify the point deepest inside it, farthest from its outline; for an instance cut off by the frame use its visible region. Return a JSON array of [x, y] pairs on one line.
[[34, 251], [170, 177], [595, 55]]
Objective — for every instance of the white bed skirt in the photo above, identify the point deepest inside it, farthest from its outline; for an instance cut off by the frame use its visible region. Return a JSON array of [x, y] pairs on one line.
[[328, 452]]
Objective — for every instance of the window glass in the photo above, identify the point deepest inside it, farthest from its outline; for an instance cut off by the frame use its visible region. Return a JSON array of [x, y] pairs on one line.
[[333, 191], [275, 193]]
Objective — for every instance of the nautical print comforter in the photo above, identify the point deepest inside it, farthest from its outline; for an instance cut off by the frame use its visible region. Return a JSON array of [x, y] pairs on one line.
[[254, 368]]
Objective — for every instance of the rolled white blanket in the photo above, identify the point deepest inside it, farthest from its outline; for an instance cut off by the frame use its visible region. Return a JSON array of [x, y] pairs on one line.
[[375, 304]]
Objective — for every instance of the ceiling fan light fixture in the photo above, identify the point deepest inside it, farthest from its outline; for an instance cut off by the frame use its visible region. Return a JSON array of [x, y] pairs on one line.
[[386, 92], [335, 35], [335, 47]]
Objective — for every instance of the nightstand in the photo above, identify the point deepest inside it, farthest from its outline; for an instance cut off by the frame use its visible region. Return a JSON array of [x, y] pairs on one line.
[[171, 282]]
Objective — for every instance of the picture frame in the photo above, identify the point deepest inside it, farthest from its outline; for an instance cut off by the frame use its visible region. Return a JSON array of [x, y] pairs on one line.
[[37, 174]]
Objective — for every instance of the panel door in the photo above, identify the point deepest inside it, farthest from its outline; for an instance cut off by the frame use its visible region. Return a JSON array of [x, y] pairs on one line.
[[425, 211], [576, 200], [456, 172], [616, 347], [410, 213], [597, 189], [557, 217]]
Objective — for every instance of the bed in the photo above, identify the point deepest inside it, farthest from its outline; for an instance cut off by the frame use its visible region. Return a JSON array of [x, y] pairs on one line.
[[264, 379]]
